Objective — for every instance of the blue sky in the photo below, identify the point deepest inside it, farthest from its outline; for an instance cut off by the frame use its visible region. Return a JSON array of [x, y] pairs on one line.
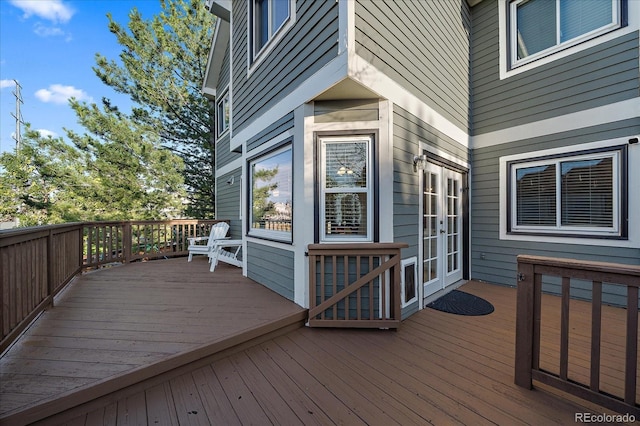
[[49, 47]]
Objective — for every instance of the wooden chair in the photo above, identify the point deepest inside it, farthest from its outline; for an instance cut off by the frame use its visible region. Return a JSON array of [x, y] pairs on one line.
[[219, 254], [218, 232]]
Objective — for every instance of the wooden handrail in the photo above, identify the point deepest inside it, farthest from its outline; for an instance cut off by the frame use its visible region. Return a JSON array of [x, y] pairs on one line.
[[531, 270], [355, 285], [37, 262]]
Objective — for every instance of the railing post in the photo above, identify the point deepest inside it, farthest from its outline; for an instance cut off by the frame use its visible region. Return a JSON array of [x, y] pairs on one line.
[[50, 278], [524, 325], [126, 242], [81, 245]]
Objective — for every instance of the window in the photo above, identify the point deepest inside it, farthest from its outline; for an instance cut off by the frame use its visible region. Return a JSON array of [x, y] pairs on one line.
[[541, 27], [268, 16], [222, 114], [346, 189], [578, 194], [271, 206]]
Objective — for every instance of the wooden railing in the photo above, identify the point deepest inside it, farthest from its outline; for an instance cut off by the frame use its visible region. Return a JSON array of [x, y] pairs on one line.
[[109, 242], [531, 270], [36, 263], [355, 285]]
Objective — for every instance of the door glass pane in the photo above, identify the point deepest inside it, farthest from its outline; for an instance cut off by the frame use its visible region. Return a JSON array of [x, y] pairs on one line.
[[431, 221]]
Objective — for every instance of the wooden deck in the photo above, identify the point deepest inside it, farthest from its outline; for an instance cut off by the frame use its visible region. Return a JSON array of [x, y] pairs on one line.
[[114, 327], [437, 368]]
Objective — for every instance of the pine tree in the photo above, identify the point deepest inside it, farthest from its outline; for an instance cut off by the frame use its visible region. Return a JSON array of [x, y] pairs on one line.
[[162, 67]]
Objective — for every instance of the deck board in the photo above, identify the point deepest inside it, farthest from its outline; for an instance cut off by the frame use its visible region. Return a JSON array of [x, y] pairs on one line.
[[437, 368], [120, 319]]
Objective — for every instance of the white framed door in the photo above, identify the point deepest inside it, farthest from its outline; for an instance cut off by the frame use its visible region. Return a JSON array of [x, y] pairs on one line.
[[442, 228]]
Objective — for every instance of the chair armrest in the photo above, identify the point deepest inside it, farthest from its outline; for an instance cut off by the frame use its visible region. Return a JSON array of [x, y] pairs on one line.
[[193, 240]]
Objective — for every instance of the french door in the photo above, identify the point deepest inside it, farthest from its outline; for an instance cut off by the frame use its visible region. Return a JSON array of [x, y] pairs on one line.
[[442, 228]]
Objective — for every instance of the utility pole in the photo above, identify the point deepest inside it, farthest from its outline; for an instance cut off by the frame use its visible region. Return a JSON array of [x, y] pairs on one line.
[[18, 116]]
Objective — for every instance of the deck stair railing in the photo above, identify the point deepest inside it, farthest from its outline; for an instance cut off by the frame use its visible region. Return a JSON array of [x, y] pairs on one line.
[[531, 270], [355, 285], [37, 262]]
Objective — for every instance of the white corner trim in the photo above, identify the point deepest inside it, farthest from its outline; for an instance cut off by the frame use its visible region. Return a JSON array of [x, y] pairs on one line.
[[576, 120], [368, 75], [346, 26]]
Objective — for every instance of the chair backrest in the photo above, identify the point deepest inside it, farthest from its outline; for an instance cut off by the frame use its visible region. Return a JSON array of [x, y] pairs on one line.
[[218, 231]]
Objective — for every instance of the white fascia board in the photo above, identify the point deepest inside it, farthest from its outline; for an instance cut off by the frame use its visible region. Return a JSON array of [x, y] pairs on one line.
[[369, 76], [329, 75], [576, 120], [216, 57]]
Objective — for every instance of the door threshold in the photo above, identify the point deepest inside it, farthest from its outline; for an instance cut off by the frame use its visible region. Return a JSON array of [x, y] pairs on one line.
[[438, 294]]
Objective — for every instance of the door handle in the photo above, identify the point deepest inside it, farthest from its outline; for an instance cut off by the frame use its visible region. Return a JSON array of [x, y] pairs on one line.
[[442, 231]]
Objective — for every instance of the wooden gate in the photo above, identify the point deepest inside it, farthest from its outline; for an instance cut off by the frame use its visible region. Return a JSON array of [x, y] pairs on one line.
[[355, 285]]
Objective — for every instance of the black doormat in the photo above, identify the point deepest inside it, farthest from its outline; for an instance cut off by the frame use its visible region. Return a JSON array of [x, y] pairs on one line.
[[461, 303]]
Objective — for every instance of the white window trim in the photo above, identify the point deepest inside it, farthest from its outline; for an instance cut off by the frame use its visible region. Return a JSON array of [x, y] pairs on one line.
[[566, 49], [254, 59], [224, 99], [335, 238], [280, 236], [614, 231], [633, 170]]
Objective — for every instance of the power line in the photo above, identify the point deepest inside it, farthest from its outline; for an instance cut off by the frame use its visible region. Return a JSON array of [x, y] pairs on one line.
[[18, 116]]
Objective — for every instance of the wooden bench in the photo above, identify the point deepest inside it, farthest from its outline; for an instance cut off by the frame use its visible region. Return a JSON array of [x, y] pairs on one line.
[[218, 253]]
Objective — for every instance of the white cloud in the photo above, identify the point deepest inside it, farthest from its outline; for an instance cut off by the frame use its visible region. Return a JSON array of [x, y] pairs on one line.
[[7, 83], [51, 10], [47, 133], [46, 31], [59, 94]]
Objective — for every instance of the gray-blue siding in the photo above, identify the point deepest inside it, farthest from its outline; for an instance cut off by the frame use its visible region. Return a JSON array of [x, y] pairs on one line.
[[273, 130], [308, 46], [423, 46], [597, 76], [494, 260], [271, 267], [408, 130], [228, 201]]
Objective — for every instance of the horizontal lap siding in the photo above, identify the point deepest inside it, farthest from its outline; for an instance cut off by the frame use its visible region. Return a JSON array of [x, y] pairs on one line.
[[598, 76], [271, 267], [307, 46], [223, 79], [408, 131], [499, 263], [228, 201], [277, 128], [424, 47]]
